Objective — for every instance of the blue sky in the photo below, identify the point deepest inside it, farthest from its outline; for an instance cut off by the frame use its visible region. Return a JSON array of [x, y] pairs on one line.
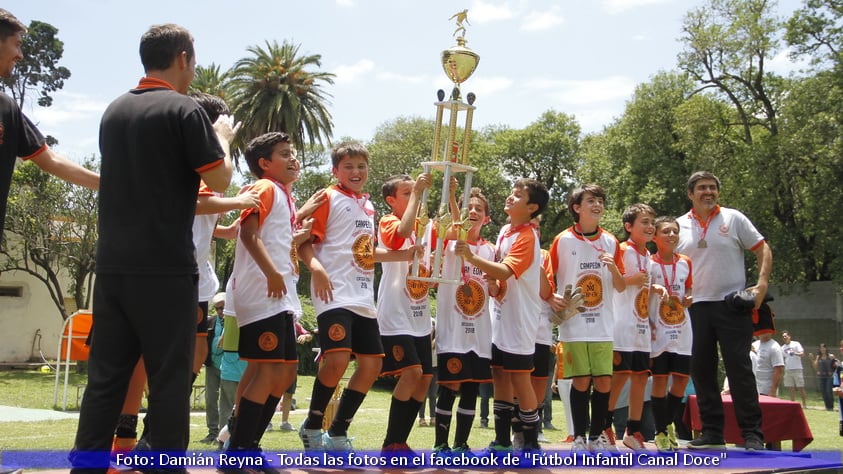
[[579, 57]]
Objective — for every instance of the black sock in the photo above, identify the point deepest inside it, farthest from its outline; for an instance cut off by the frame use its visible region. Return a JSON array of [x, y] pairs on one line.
[[633, 426], [319, 399], [530, 425], [579, 411], [248, 420], [610, 419], [413, 407], [269, 408], [397, 410], [127, 426], [444, 413], [660, 413], [515, 422], [674, 403], [599, 406], [503, 421], [465, 412], [350, 402]]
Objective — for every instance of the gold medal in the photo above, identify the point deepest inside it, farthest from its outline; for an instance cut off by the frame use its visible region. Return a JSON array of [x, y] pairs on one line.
[[702, 244]]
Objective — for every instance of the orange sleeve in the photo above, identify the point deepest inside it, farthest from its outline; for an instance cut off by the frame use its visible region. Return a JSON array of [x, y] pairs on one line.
[[548, 270], [520, 256], [689, 283], [619, 258], [209, 166], [320, 218], [37, 152], [204, 190], [554, 256], [388, 232], [266, 196]]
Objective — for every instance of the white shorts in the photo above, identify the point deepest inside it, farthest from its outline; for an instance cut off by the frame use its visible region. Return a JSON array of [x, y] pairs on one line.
[[793, 378]]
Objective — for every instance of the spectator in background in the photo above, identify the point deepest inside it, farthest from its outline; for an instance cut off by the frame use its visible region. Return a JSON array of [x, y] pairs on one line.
[[303, 336], [824, 363], [770, 369], [793, 374], [213, 411], [433, 387]]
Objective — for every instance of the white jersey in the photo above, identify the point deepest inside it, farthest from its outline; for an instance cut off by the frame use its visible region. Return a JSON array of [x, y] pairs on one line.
[[719, 262], [203, 234], [276, 214], [402, 306], [769, 357], [516, 309], [463, 321], [576, 262], [791, 360], [344, 238], [544, 335], [632, 323], [671, 320]]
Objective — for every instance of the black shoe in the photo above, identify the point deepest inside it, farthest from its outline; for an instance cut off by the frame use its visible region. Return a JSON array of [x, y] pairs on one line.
[[753, 444], [841, 427], [209, 439], [707, 441]]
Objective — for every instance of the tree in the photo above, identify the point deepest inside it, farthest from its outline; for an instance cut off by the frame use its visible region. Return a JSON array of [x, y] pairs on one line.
[[210, 80], [276, 89], [51, 233], [38, 72], [816, 31]]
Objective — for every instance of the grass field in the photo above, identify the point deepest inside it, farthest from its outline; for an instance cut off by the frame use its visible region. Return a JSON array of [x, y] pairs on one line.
[[31, 389]]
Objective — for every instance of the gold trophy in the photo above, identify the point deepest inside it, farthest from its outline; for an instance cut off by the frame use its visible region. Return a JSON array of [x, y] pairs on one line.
[[451, 156]]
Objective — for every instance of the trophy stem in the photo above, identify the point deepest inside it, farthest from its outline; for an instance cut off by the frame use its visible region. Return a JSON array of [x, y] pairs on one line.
[[452, 133], [437, 133], [466, 138]]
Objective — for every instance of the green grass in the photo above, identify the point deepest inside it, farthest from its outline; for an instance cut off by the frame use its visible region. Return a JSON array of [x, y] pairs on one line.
[[31, 389]]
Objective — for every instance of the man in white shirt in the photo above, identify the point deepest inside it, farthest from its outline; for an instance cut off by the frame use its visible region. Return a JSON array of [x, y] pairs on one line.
[[768, 374], [793, 375]]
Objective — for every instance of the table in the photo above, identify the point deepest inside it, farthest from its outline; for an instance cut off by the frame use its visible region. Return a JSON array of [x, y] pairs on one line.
[[780, 420]]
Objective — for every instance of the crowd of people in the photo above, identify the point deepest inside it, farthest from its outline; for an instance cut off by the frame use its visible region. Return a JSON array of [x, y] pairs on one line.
[[623, 313]]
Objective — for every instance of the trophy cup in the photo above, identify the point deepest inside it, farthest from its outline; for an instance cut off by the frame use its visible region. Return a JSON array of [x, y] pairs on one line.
[[451, 155]]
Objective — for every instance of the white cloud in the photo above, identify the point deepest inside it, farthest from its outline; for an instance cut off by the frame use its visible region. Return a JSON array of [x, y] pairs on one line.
[[619, 6], [67, 107], [538, 20], [402, 78], [782, 64], [483, 12], [350, 72], [584, 92]]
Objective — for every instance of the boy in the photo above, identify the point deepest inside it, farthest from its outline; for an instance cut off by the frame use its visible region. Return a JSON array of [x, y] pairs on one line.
[[342, 245], [586, 257], [464, 341], [264, 282], [671, 344], [518, 271], [631, 359], [403, 312]]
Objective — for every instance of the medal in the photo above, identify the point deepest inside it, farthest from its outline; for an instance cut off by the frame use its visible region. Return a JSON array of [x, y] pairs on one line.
[[702, 244]]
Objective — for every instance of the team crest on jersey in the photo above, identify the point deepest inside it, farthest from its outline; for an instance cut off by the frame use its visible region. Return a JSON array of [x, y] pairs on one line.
[[502, 292], [616, 358], [470, 299], [642, 304], [398, 353], [454, 365], [724, 229], [672, 312], [336, 332], [268, 341], [416, 289], [592, 290], [363, 252], [294, 259]]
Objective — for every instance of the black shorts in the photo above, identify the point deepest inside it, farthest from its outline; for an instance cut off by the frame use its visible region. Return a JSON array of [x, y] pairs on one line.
[[510, 362], [631, 362], [457, 368], [202, 319], [403, 352], [269, 340], [671, 363], [541, 362], [344, 330]]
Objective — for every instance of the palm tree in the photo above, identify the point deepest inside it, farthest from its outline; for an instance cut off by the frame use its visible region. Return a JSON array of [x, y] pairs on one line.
[[273, 90], [210, 81]]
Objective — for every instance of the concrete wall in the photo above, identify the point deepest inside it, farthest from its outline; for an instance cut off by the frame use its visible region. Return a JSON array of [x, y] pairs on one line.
[[25, 319]]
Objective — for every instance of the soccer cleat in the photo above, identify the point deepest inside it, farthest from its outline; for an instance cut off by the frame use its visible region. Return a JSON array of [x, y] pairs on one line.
[[707, 441], [541, 438], [442, 449], [634, 441], [462, 449], [663, 443], [601, 443], [671, 436], [579, 445], [611, 440], [311, 439], [495, 447], [208, 439], [518, 441], [569, 439], [336, 443]]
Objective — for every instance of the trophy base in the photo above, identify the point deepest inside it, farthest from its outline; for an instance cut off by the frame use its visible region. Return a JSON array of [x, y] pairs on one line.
[[433, 279], [455, 166]]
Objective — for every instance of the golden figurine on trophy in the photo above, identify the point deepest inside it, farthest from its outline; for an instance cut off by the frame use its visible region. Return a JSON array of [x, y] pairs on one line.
[[451, 155]]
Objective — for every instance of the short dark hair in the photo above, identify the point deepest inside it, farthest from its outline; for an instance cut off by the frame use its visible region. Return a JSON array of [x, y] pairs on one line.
[[477, 193], [161, 44], [575, 197], [390, 186], [536, 193], [261, 147], [212, 105], [9, 25], [692, 181], [662, 221], [633, 211], [350, 148]]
